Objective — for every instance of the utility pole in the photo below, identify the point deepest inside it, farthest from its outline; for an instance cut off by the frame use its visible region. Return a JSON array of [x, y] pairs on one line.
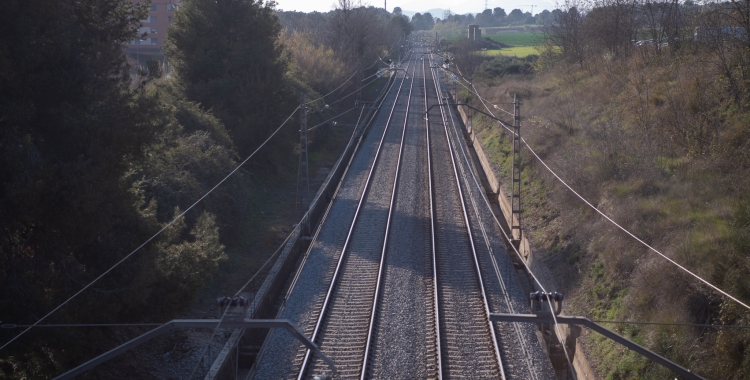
[[515, 202], [304, 174]]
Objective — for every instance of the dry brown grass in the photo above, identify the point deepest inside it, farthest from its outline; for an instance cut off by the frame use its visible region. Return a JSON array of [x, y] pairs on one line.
[[655, 143]]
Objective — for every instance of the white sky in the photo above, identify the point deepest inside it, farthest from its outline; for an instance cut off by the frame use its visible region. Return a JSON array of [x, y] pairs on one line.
[[457, 6]]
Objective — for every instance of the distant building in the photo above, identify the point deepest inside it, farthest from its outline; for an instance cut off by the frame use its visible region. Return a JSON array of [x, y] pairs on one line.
[[475, 33], [153, 31]]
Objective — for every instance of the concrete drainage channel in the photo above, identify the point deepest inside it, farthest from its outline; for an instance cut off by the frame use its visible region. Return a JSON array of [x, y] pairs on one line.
[[238, 355]]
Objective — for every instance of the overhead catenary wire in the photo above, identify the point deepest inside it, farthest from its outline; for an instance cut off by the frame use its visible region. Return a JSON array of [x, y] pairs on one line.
[[355, 91], [223, 315], [623, 229], [554, 318], [490, 251], [283, 244], [154, 236], [342, 84]]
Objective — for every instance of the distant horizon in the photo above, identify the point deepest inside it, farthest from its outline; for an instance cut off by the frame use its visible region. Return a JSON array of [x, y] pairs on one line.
[[410, 7]]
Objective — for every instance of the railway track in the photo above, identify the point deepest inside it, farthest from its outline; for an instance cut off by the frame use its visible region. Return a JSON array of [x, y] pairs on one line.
[[468, 342], [403, 272], [344, 325], [405, 341], [520, 351], [281, 355]]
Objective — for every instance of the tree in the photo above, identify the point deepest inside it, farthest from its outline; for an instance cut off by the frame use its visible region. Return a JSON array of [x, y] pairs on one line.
[[357, 33], [398, 22], [544, 18], [567, 33], [72, 126], [427, 21], [69, 126], [515, 16], [466, 58], [486, 18], [226, 55], [416, 22], [397, 11], [612, 25], [499, 13]]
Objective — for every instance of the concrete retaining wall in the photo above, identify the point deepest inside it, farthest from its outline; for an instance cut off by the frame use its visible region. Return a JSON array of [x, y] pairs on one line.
[[533, 261]]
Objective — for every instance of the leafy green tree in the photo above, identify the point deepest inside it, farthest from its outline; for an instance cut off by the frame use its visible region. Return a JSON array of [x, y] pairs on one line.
[[226, 56], [73, 132], [422, 21], [398, 22], [416, 22], [515, 16], [428, 22], [499, 13], [68, 126], [486, 18]]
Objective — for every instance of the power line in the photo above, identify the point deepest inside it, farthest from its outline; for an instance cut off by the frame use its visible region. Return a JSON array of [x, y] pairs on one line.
[[216, 329], [716, 288], [154, 236], [13, 325], [674, 324], [556, 324], [342, 84]]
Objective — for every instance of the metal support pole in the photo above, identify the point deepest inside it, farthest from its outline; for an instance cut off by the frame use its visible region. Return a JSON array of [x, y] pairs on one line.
[[532, 318], [516, 172], [200, 324], [304, 171]]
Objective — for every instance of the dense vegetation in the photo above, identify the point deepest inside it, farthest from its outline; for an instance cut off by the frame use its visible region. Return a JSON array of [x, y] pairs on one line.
[[97, 156], [644, 108]]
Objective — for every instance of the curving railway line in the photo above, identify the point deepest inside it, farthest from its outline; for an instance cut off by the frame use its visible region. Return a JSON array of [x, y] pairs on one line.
[[406, 266]]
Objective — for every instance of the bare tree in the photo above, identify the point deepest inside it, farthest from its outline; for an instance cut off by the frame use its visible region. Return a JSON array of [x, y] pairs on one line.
[[725, 28], [466, 58], [356, 32], [611, 25], [566, 31]]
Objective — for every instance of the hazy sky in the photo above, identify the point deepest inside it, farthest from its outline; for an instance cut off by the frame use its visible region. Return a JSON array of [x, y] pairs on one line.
[[473, 6]]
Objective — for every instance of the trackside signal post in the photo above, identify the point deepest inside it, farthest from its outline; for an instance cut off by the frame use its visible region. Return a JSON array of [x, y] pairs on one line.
[[515, 222], [304, 172], [515, 202]]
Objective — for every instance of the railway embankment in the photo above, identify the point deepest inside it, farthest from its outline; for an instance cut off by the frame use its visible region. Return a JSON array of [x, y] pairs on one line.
[[532, 261], [657, 143]]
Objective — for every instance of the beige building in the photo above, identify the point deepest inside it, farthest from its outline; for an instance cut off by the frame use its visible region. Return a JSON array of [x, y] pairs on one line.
[[153, 31], [474, 32]]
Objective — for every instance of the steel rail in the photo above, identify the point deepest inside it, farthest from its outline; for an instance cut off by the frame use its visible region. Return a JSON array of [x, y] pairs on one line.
[[485, 303], [523, 342], [435, 296], [334, 279], [387, 230]]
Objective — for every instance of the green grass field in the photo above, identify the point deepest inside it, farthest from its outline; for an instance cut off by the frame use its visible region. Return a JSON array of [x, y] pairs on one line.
[[518, 51], [517, 39]]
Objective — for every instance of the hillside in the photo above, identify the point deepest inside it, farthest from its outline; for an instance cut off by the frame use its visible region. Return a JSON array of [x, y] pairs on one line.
[[656, 141]]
